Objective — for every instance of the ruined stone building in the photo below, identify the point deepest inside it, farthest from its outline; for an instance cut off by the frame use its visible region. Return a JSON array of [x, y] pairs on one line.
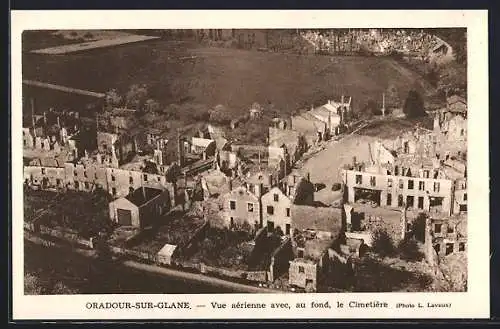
[[241, 207], [418, 191], [319, 123], [140, 208], [89, 176], [446, 235]]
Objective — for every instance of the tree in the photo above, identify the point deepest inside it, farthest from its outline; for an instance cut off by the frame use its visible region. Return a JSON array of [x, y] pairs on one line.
[[414, 105], [113, 98], [453, 78], [371, 107], [220, 114], [382, 243], [392, 98], [408, 250], [136, 96], [418, 227]]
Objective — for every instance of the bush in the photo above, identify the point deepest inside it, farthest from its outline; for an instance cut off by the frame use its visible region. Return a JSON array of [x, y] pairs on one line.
[[414, 105], [408, 250], [382, 243], [371, 107]]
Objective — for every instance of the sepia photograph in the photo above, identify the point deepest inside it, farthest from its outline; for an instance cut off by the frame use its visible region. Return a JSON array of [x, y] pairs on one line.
[[291, 160], [201, 161]]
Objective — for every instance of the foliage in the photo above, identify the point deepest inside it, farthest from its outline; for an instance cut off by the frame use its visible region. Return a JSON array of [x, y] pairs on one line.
[[113, 98], [33, 285], [382, 243], [150, 167], [392, 98], [220, 114], [453, 78], [414, 105], [136, 96], [372, 107], [408, 250], [418, 227]]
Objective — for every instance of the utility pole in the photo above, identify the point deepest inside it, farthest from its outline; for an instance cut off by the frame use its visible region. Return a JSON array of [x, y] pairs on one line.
[[33, 115]]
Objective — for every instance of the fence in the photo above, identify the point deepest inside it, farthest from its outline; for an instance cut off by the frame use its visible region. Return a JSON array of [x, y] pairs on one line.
[[68, 236]]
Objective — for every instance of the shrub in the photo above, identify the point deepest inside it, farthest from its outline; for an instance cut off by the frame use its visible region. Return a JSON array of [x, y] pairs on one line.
[[414, 105], [382, 243], [408, 250]]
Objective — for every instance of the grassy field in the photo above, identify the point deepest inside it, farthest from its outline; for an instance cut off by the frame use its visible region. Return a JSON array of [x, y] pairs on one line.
[[235, 78]]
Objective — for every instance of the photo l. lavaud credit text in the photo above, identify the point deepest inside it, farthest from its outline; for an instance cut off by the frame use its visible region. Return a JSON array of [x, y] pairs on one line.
[[316, 170]]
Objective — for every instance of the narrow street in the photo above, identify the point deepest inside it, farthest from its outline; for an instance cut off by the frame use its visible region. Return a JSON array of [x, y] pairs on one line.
[[79, 269]]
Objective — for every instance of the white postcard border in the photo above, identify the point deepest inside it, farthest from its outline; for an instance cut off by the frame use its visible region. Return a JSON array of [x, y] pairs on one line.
[[472, 304]]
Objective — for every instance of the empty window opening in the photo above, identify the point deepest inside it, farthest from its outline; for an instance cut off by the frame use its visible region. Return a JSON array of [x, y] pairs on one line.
[[410, 200], [232, 205], [437, 228], [270, 226], [270, 210], [436, 204], [420, 202], [367, 195], [410, 184], [449, 248], [359, 179]]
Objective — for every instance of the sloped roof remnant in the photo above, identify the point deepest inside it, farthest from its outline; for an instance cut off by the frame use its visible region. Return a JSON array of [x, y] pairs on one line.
[[142, 195]]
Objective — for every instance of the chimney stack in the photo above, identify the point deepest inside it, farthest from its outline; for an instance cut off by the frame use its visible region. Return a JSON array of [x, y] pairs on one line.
[[308, 177], [58, 123], [44, 117], [342, 100]]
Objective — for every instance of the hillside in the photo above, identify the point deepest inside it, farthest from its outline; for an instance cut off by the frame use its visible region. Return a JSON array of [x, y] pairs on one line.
[[178, 72]]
